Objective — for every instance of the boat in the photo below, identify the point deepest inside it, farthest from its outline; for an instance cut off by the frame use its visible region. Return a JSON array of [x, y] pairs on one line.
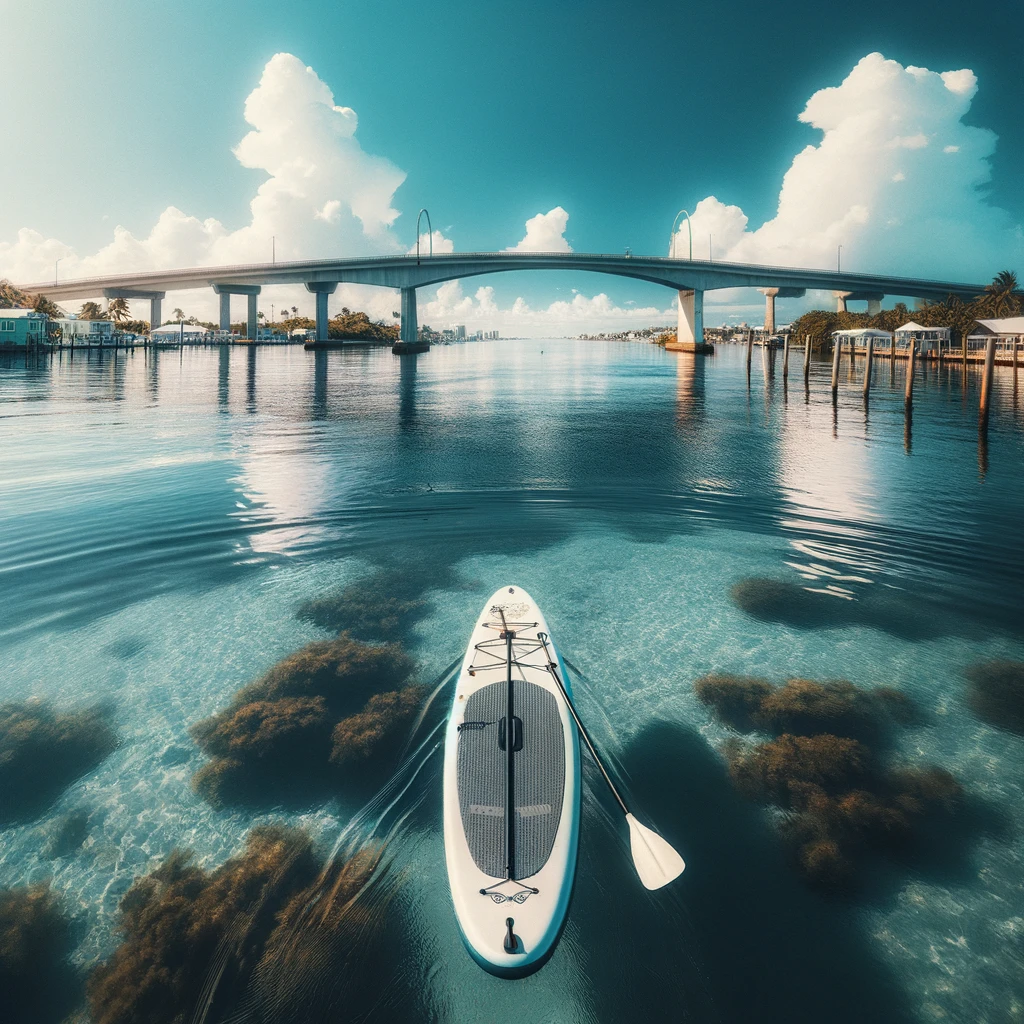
[[511, 789]]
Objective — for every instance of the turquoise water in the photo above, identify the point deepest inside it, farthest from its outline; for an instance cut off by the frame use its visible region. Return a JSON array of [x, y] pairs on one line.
[[165, 513]]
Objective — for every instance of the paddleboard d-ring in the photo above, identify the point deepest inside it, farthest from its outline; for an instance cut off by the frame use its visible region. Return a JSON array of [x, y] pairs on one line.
[[511, 790]]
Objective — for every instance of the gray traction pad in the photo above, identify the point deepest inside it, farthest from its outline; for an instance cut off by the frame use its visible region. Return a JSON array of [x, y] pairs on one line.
[[539, 778]]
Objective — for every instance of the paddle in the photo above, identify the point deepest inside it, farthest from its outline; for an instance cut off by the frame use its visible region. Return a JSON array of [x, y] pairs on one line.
[[656, 862]]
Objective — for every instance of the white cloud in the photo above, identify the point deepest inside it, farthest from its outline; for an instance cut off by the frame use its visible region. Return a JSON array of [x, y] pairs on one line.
[[324, 195], [545, 233], [882, 125], [581, 313], [434, 242]]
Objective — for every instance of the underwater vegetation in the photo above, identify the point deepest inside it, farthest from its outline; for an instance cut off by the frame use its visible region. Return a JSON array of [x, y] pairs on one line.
[[65, 836], [996, 693], [804, 706], [842, 800], [42, 751], [37, 984], [192, 938], [366, 609], [291, 734], [773, 600]]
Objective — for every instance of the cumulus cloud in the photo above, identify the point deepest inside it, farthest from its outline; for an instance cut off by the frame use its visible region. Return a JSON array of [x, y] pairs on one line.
[[434, 242], [544, 233], [569, 316], [880, 182], [324, 195]]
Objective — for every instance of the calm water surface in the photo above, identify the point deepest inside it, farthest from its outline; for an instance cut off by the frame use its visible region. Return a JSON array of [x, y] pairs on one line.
[[164, 514]]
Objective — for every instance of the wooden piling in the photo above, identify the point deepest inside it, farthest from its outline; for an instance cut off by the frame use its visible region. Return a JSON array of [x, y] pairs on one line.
[[867, 366], [836, 347], [807, 356], [785, 357], [986, 381], [750, 349], [908, 395]]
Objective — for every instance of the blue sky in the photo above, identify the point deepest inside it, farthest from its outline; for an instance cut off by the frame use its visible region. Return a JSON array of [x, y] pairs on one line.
[[618, 113]]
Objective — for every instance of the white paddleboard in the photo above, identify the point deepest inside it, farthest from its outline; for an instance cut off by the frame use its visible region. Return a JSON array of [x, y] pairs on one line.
[[511, 818]]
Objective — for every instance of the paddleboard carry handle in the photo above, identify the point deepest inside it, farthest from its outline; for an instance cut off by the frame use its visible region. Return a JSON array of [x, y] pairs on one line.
[[517, 734], [511, 943]]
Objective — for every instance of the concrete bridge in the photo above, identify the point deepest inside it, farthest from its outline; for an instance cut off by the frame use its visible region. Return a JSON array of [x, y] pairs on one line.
[[690, 279]]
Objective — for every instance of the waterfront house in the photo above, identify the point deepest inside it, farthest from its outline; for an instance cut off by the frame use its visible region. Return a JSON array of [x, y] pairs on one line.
[[22, 329], [1008, 332], [74, 331], [931, 341]]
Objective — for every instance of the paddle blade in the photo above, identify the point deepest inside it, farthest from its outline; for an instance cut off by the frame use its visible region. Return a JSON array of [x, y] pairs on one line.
[[656, 862]]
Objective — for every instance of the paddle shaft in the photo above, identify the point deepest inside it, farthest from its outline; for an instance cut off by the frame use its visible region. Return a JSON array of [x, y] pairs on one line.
[[553, 669], [510, 776]]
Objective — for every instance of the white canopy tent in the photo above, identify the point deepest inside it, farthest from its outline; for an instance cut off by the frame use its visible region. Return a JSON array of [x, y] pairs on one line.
[[183, 331], [859, 336]]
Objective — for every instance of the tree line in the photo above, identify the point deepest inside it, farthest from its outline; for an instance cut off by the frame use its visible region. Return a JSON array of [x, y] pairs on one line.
[[1001, 298]]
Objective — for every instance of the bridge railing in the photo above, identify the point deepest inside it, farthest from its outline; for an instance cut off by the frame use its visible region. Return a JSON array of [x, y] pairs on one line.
[[841, 279]]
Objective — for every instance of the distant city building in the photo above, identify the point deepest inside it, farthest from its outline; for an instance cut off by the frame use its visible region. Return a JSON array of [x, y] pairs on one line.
[[460, 332], [84, 332], [22, 328]]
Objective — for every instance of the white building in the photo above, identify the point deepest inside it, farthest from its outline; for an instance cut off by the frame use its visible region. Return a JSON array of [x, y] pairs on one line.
[[1008, 332], [85, 332], [930, 340]]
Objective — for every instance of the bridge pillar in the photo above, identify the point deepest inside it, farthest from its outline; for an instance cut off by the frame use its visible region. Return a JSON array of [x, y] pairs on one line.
[[769, 309], [155, 300], [322, 289], [690, 322], [874, 306], [841, 298], [410, 326], [252, 320], [225, 291]]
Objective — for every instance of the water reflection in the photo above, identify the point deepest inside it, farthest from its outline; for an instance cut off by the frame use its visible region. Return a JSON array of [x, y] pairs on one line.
[[690, 388], [407, 391], [223, 377]]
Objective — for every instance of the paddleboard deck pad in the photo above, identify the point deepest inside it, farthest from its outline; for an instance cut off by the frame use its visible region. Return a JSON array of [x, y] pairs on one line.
[[511, 790]]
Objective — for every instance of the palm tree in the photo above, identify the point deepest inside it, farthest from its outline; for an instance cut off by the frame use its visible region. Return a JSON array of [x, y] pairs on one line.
[[90, 311], [1001, 297], [118, 310], [295, 310], [178, 314]]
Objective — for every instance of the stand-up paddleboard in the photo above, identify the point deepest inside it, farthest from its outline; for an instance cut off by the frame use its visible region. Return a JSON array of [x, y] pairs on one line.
[[511, 789]]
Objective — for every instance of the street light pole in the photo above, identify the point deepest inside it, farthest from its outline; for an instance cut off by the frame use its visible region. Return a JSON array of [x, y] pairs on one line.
[[55, 265], [839, 259], [672, 239]]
